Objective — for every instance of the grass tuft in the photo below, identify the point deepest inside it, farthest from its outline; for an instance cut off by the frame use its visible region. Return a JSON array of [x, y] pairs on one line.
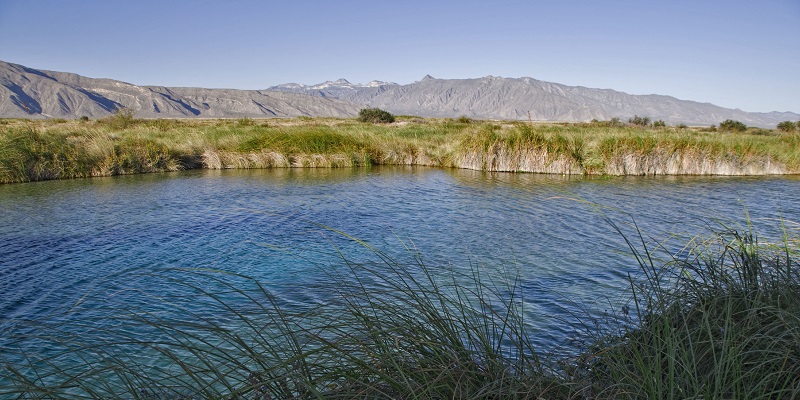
[[720, 320]]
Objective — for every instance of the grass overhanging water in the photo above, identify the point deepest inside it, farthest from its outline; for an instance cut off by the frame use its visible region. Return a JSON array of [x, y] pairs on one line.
[[121, 144], [718, 319]]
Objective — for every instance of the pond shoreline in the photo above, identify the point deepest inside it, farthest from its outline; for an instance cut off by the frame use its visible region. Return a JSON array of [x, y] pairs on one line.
[[45, 150]]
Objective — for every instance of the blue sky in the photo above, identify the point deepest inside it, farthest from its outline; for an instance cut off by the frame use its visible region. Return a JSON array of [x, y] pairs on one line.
[[737, 54]]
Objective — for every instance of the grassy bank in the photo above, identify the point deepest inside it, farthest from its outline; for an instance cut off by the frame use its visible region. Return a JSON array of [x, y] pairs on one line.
[[721, 320], [56, 149]]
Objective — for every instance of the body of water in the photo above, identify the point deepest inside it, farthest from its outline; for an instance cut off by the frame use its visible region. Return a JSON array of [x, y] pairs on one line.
[[69, 248]]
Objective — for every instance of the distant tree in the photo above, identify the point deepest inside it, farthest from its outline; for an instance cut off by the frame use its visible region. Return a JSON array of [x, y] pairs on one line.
[[639, 121], [787, 126], [682, 126], [730, 125], [615, 122], [659, 124], [375, 115]]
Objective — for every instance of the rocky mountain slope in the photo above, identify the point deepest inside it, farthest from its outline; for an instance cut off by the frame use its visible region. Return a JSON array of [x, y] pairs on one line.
[[508, 98], [31, 93]]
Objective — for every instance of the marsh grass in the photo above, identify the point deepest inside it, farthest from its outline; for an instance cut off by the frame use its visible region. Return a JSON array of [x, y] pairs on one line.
[[39, 150], [721, 319], [385, 330]]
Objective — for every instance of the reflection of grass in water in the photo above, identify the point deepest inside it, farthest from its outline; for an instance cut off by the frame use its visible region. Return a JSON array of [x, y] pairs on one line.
[[720, 320], [38, 150]]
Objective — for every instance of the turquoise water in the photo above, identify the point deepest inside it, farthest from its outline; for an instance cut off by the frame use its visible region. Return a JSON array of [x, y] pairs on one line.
[[81, 250]]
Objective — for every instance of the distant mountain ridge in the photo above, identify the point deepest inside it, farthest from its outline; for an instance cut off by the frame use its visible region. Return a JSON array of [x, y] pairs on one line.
[[30, 93], [493, 97]]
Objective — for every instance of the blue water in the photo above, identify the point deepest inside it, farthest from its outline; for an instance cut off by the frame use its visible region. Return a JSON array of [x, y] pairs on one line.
[[71, 249]]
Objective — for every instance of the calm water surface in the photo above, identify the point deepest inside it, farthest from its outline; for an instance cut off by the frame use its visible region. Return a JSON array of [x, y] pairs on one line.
[[63, 242]]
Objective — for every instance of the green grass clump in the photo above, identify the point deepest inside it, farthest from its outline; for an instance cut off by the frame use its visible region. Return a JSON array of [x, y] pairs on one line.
[[375, 116], [721, 322], [386, 330]]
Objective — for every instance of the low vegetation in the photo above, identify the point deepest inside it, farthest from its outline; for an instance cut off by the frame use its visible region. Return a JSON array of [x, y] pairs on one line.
[[730, 125], [788, 126], [122, 144], [375, 115], [719, 320]]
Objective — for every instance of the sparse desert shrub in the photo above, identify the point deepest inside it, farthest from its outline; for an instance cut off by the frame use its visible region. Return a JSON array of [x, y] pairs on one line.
[[375, 115], [245, 121], [659, 124], [730, 125], [122, 119], [787, 126], [760, 131], [464, 119], [83, 118], [639, 121], [612, 123]]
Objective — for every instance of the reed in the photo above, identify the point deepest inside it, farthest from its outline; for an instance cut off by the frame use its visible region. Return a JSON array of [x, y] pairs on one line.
[[719, 320], [39, 150], [385, 330]]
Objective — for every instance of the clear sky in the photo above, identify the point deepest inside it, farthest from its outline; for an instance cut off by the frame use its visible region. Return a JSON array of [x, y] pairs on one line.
[[734, 53]]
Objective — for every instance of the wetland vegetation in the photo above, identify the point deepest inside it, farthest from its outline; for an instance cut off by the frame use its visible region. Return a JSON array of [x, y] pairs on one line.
[[122, 144], [719, 320]]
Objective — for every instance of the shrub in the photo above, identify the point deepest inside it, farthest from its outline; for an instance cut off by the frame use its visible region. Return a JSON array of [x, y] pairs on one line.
[[375, 115], [245, 122], [83, 118], [787, 126], [612, 123], [730, 125], [639, 121], [682, 126], [123, 118], [659, 124], [464, 119]]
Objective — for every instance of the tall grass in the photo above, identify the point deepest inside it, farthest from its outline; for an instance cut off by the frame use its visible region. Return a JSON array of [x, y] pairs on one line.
[[38, 150], [719, 320], [386, 330]]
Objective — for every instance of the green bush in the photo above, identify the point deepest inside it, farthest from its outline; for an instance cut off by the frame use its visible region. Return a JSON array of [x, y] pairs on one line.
[[730, 125], [464, 119], [787, 126], [375, 115], [659, 124], [639, 121], [121, 119]]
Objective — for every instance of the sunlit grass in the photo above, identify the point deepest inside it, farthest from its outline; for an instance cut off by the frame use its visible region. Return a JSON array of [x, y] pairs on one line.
[[719, 320], [55, 149]]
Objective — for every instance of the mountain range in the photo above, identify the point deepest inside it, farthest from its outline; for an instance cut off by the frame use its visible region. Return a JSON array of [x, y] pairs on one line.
[[31, 93]]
